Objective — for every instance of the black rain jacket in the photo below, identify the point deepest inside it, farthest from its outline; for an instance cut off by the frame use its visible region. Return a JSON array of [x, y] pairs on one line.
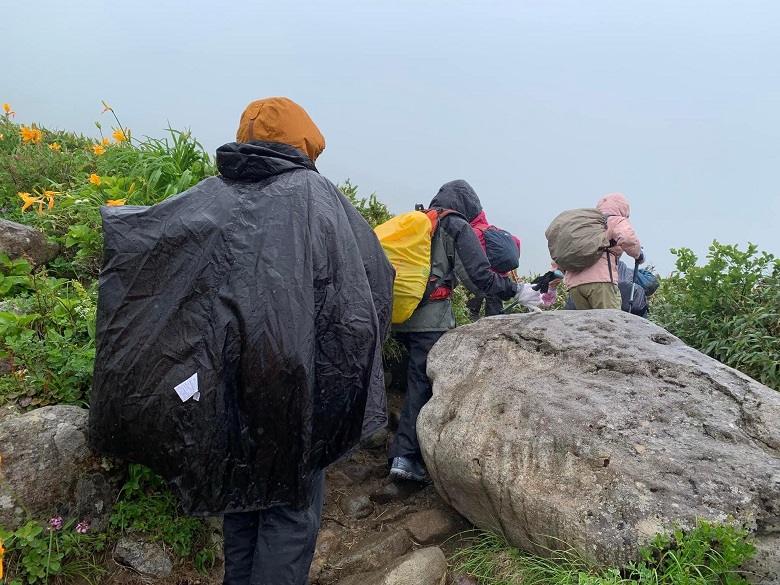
[[267, 285], [456, 255]]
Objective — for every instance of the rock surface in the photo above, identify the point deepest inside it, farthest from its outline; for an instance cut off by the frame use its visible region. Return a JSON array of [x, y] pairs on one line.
[[145, 558], [21, 241], [47, 464], [597, 429]]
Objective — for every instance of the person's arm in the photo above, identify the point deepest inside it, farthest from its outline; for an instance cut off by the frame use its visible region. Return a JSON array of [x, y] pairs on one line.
[[624, 236]]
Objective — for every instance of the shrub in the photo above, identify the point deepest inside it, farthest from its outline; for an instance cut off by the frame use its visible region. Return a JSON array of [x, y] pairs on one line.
[[708, 554], [728, 309], [47, 326]]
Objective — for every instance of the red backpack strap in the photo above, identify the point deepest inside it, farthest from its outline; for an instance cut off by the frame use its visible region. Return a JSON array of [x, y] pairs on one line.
[[436, 214]]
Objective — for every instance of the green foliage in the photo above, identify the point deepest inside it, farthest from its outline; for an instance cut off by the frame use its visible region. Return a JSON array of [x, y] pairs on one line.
[[27, 167], [708, 554], [36, 554], [728, 309], [161, 167], [48, 332], [148, 507], [373, 211]]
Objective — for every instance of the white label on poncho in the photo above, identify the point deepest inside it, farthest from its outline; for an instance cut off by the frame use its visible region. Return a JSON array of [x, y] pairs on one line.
[[189, 388]]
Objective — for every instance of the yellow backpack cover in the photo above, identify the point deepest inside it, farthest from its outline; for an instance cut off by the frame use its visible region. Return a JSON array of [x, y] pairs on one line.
[[406, 239]]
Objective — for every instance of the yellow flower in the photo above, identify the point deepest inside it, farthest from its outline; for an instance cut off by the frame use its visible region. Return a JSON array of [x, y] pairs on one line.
[[98, 149], [55, 146], [115, 202], [93, 178], [28, 200], [105, 142], [31, 135], [119, 135], [2, 137], [8, 112]]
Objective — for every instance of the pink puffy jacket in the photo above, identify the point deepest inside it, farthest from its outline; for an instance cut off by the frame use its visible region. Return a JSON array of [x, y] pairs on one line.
[[619, 229]]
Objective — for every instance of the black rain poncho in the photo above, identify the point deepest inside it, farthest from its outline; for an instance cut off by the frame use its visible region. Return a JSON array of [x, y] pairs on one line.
[[267, 286]]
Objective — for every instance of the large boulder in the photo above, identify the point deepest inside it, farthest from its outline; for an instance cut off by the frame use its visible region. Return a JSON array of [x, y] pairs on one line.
[[21, 241], [598, 429], [48, 467]]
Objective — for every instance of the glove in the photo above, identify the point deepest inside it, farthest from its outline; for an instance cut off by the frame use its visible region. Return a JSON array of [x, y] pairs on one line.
[[528, 297], [549, 298], [641, 259]]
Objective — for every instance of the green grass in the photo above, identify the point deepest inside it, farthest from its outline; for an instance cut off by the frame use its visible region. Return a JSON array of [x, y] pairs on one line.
[[709, 554]]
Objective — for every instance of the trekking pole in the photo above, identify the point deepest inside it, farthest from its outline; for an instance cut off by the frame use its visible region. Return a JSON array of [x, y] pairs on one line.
[[633, 285]]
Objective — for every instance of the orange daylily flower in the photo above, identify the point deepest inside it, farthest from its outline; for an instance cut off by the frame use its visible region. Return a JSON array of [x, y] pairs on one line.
[[105, 142], [119, 135], [8, 112], [115, 202], [28, 200], [94, 179], [98, 149], [55, 146], [107, 108], [31, 135]]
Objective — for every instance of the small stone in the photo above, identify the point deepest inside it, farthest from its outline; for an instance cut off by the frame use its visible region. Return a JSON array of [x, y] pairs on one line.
[[356, 472], [396, 491], [640, 448], [357, 507], [464, 579], [426, 566], [434, 526], [145, 558], [375, 552]]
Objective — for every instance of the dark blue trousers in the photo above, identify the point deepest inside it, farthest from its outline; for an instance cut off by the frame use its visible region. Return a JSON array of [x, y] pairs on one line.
[[274, 546], [418, 392]]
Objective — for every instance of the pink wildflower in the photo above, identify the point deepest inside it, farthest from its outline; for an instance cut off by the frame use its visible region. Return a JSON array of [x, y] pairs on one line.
[[82, 527], [56, 523]]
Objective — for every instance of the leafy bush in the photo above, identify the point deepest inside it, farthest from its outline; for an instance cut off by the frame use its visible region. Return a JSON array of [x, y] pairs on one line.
[[148, 507], [37, 552], [47, 326], [373, 211], [728, 309], [709, 554]]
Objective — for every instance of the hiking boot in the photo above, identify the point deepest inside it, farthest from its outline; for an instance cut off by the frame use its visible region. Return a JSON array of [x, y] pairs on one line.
[[408, 468]]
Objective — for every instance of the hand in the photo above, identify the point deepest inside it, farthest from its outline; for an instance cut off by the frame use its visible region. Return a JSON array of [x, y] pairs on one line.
[[641, 259], [528, 297], [549, 298]]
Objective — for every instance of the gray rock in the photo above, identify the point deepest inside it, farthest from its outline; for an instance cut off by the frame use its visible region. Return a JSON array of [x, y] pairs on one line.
[[48, 466], [145, 558], [328, 544], [375, 552], [426, 566], [434, 526], [396, 491], [357, 507], [21, 241], [597, 429]]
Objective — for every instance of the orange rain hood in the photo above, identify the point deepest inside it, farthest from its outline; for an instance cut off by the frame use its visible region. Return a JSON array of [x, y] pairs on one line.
[[280, 119]]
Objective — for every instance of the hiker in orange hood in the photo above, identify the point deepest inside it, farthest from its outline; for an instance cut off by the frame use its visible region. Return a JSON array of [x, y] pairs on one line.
[[272, 283]]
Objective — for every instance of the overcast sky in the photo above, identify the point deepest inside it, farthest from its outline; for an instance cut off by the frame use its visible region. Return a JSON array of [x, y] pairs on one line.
[[540, 105]]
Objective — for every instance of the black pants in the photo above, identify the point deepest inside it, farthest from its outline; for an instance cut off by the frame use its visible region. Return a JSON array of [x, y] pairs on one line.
[[493, 305], [274, 546], [418, 392]]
